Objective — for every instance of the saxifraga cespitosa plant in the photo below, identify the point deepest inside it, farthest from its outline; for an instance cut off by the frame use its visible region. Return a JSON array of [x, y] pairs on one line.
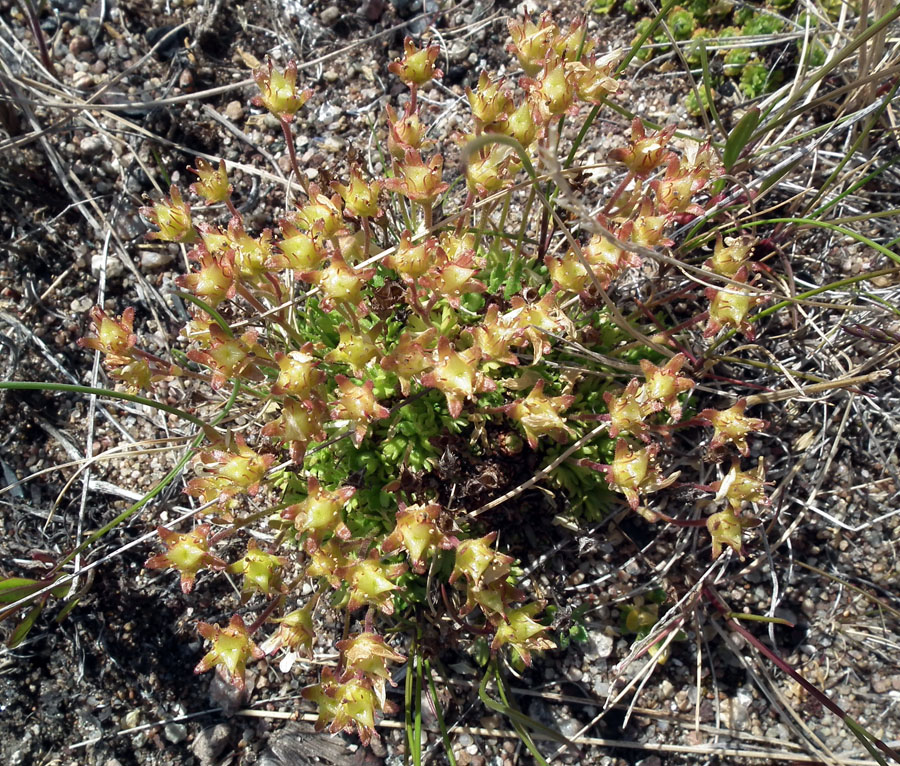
[[387, 327]]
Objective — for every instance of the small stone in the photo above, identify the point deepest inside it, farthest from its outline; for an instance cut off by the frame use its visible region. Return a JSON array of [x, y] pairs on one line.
[[881, 685], [153, 260], [186, 79], [332, 145], [666, 689], [465, 740], [83, 80], [210, 743], [92, 145], [234, 111], [330, 15], [458, 52], [330, 76], [113, 266], [600, 646], [175, 732], [79, 44]]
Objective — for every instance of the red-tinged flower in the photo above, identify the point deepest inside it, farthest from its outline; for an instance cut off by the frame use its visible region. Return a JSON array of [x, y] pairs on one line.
[[418, 533], [490, 101], [225, 474], [606, 259], [360, 196], [188, 553], [456, 375], [319, 515], [340, 283], [647, 229], [213, 185], [730, 255], [356, 348], [417, 181], [231, 650], [739, 487], [405, 133], [574, 44], [298, 424], [327, 560], [633, 471], [492, 168], [412, 261], [663, 386], [568, 272], [479, 563], [454, 279], [298, 250], [261, 571], [346, 706], [321, 216], [732, 426], [554, 89], [485, 571], [172, 216], [278, 90], [494, 337], [358, 405], [410, 357], [214, 239], [674, 190], [523, 124], [417, 65], [532, 321], [522, 632], [731, 307], [531, 42], [702, 162], [371, 582], [295, 633], [595, 80], [251, 254], [114, 336], [645, 152], [494, 599], [214, 281], [625, 412], [539, 415], [229, 357], [366, 655], [726, 528], [299, 373]]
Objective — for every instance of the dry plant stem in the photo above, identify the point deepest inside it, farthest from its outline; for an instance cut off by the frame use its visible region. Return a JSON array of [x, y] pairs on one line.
[[816, 388]]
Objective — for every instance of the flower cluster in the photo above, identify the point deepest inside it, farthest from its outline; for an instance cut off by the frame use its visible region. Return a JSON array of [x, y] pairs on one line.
[[378, 353]]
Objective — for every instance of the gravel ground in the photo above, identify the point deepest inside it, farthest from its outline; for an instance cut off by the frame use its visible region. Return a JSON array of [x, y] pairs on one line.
[[113, 684]]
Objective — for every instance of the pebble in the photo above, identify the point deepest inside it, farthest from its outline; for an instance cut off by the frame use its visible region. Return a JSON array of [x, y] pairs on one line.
[[91, 145], [79, 44], [210, 743], [114, 267], [175, 732], [600, 646], [83, 80], [153, 260], [234, 111], [330, 15]]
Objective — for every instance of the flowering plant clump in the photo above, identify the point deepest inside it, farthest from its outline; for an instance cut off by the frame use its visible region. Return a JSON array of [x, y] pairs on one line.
[[385, 330]]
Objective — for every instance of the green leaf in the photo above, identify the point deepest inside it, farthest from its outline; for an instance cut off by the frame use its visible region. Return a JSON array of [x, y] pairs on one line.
[[739, 136], [24, 627]]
